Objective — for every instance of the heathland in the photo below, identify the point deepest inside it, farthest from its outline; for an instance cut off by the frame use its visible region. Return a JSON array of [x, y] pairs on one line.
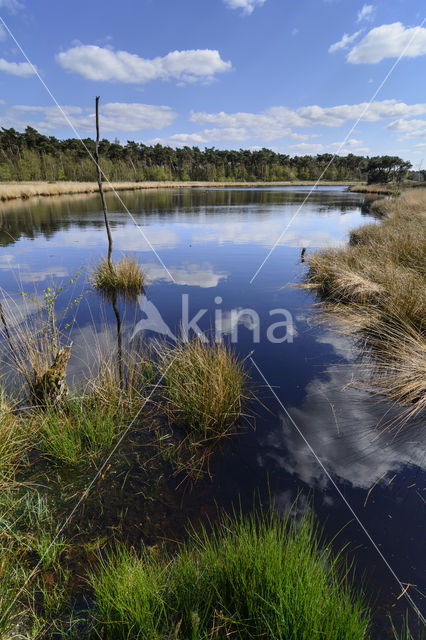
[[263, 575]]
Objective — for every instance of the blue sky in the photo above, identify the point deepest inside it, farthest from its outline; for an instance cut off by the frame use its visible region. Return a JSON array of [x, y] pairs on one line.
[[291, 76]]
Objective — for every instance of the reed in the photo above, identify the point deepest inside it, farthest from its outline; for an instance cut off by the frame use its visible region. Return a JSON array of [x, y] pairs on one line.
[[259, 576]]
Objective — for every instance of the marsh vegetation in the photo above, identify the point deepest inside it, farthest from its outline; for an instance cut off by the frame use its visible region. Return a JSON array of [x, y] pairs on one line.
[[262, 576], [146, 426], [375, 287]]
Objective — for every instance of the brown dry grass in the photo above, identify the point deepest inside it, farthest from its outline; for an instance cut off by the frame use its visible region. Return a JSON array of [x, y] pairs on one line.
[[24, 190], [377, 285], [376, 189]]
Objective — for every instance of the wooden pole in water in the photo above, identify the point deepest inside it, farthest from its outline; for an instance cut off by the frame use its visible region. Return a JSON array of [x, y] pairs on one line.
[[101, 191]]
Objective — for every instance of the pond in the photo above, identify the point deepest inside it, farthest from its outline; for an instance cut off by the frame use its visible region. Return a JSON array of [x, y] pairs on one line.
[[200, 250]]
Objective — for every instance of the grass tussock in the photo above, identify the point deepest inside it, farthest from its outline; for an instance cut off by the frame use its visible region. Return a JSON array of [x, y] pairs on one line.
[[206, 385], [255, 577], [376, 285], [124, 277]]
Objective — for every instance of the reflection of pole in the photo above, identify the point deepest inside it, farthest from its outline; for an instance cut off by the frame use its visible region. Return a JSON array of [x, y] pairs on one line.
[[119, 345], [101, 191]]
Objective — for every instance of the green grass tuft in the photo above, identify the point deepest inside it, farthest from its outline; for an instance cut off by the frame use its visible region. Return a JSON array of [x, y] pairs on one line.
[[255, 577]]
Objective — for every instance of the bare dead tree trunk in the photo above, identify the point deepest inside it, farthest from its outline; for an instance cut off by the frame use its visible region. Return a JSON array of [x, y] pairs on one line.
[[101, 191]]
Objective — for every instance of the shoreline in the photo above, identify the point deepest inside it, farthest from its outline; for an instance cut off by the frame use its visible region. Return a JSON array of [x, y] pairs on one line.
[[26, 190], [373, 288]]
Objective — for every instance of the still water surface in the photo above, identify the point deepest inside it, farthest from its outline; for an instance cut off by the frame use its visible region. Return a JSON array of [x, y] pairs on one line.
[[212, 242]]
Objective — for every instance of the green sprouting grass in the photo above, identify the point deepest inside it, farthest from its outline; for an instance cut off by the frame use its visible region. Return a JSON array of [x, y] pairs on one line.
[[256, 577], [79, 430]]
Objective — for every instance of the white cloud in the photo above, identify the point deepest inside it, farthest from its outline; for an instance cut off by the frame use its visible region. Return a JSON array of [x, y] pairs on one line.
[[114, 116], [248, 6], [344, 151], [389, 41], [352, 142], [302, 234], [366, 13], [10, 5], [202, 137], [344, 42], [406, 125], [307, 147], [413, 128], [342, 428], [119, 116], [193, 275], [276, 122], [100, 63], [126, 238], [305, 136], [21, 69], [3, 33]]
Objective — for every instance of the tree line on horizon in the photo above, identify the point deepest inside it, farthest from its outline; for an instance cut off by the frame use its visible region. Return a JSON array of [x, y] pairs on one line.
[[30, 155]]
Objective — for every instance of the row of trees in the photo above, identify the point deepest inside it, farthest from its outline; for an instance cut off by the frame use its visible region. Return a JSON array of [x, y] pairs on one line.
[[29, 155]]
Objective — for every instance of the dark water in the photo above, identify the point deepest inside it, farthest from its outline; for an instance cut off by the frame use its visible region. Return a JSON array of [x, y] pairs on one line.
[[212, 243]]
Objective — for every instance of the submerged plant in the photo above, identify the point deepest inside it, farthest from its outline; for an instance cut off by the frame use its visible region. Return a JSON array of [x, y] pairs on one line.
[[260, 576], [406, 632]]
